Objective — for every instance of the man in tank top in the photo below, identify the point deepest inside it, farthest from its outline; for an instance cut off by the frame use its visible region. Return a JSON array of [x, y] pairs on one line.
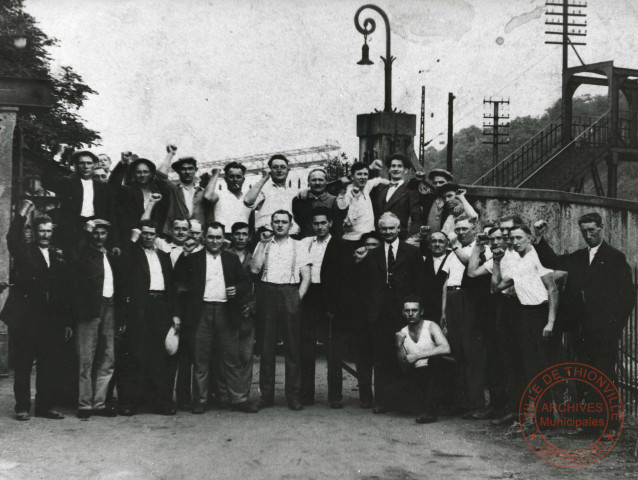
[[420, 345]]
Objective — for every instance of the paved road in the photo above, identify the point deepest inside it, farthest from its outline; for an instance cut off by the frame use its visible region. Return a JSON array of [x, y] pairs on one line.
[[276, 443]]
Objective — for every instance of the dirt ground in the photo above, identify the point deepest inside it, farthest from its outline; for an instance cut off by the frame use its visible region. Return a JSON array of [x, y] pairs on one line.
[[278, 443]]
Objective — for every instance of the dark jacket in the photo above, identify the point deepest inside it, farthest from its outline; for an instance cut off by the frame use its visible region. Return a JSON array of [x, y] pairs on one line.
[[433, 288], [546, 254], [302, 211], [407, 279], [87, 281], [193, 277], [39, 296], [404, 203], [599, 296], [129, 202]]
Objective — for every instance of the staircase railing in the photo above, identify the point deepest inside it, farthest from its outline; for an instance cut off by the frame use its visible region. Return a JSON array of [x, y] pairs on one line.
[[596, 135], [518, 164]]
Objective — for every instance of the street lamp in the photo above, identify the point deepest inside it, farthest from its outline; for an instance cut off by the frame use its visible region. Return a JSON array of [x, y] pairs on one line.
[[369, 26]]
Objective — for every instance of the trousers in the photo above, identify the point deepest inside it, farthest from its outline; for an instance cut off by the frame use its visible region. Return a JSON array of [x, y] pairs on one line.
[[94, 343]]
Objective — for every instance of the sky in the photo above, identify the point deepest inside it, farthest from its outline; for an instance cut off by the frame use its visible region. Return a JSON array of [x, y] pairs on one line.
[[231, 78]]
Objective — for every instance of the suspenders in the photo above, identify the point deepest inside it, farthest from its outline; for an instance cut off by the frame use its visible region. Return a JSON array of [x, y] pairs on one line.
[[292, 266]]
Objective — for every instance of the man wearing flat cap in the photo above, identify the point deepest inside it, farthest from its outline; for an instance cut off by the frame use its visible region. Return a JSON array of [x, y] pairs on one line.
[[431, 205], [95, 281], [185, 196], [396, 197], [81, 199]]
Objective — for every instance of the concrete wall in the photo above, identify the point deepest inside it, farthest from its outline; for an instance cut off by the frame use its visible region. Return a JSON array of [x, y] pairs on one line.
[[562, 210]]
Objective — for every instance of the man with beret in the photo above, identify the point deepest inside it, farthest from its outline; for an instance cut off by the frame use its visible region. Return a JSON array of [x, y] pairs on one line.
[[397, 198], [95, 281], [271, 193], [82, 198], [185, 196]]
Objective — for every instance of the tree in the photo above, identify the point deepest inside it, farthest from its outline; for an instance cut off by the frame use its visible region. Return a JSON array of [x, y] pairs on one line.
[[43, 131], [337, 167]]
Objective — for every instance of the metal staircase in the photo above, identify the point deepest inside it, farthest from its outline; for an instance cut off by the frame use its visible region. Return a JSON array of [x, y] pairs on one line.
[[543, 162]]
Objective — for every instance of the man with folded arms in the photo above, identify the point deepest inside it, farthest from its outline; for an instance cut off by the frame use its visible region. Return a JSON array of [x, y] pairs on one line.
[[94, 276]]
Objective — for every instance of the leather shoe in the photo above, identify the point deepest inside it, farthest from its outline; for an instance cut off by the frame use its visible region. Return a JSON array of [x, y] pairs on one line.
[[263, 403], [83, 414], [166, 411], [485, 414], [105, 412], [126, 411], [295, 406], [426, 418], [379, 409], [336, 405], [184, 407], [198, 408], [506, 419], [22, 416], [365, 404], [245, 407], [50, 414]]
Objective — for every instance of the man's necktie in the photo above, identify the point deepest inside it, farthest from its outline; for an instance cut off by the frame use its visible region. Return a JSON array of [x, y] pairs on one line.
[[390, 262], [394, 184]]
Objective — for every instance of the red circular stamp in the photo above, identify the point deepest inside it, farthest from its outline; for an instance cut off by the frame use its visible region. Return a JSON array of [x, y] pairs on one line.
[[571, 415]]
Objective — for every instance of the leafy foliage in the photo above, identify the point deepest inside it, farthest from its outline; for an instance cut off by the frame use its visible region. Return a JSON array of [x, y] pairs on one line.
[[43, 131]]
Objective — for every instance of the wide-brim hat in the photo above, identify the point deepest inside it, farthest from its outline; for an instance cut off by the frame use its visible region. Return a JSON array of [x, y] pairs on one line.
[[448, 187], [181, 161], [439, 172], [145, 161], [84, 153]]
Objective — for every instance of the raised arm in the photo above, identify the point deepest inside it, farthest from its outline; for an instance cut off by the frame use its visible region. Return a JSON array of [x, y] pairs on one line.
[[251, 195], [473, 267], [165, 166], [210, 193], [468, 210], [257, 262], [15, 235]]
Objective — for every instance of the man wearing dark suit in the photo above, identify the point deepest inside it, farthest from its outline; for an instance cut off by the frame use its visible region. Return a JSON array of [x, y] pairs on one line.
[[598, 296], [81, 199], [132, 199], [218, 298], [151, 300], [36, 313], [392, 271], [397, 197], [316, 196], [94, 283]]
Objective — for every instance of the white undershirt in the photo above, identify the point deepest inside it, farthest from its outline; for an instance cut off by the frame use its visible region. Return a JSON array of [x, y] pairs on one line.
[[87, 198], [215, 290]]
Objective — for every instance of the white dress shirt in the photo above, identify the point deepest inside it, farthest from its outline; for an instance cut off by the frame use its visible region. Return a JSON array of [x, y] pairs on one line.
[[87, 199], [392, 189], [455, 268], [592, 252], [510, 258], [215, 290], [45, 254], [283, 261], [527, 274], [438, 261], [316, 249], [169, 247], [107, 286], [155, 269], [230, 209]]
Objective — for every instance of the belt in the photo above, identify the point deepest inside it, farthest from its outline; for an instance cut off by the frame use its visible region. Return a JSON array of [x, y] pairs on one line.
[[532, 307], [214, 303], [156, 293], [454, 289]]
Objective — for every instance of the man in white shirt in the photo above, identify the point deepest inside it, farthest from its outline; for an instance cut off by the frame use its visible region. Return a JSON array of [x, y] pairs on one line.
[[284, 268], [228, 205], [95, 275], [462, 317], [313, 308], [218, 305], [536, 291], [355, 197], [271, 193]]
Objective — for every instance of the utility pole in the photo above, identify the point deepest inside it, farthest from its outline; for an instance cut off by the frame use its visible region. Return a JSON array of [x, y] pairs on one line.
[[566, 9], [496, 129], [422, 136], [450, 131]]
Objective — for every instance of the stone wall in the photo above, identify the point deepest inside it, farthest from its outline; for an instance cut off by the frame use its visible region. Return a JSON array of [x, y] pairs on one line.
[[562, 210]]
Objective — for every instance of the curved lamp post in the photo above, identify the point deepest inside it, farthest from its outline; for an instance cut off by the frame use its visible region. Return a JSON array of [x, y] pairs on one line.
[[369, 26]]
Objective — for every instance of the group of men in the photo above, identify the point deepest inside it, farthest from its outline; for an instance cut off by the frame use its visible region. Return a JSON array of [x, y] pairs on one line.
[[396, 270]]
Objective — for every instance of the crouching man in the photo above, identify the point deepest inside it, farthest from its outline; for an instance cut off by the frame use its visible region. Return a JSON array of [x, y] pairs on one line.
[[420, 346]]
